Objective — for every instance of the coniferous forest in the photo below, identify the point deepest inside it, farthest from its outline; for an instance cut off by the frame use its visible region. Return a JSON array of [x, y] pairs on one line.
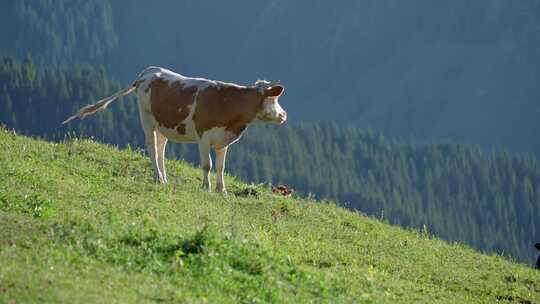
[[459, 192]]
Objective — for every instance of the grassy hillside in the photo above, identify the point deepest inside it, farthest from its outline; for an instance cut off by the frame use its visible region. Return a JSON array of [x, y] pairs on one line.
[[82, 222]]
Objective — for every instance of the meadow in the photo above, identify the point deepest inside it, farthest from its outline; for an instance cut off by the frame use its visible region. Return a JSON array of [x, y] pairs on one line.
[[83, 222]]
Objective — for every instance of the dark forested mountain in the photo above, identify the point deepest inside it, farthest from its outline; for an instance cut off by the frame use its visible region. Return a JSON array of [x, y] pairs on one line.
[[36, 102], [461, 71], [459, 192], [57, 32]]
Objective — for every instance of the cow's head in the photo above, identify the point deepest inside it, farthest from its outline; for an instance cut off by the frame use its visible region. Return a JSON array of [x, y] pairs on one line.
[[270, 110]]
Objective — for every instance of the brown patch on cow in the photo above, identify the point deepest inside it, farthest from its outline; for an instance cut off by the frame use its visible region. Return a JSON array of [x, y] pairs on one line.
[[226, 106], [181, 129], [170, 101]]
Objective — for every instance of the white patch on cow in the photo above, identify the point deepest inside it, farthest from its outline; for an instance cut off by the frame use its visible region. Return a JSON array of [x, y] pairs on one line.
[[148, 73], [171, 77], [191, 132], [199, 83], [168, 75], [144, 93], [272, 111], [219, 137], [190, 135]]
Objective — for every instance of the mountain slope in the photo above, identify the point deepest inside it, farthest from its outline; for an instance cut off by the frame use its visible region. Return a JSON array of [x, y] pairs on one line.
[[82, 222]]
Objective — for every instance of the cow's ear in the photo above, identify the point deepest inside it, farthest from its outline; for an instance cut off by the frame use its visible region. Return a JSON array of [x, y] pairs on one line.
[[274, 91], [537, 245]]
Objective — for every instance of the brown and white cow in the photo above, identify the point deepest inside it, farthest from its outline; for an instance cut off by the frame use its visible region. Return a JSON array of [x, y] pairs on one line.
[[211, 113]]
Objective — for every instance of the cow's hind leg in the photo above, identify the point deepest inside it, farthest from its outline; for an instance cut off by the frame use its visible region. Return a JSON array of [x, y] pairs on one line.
[[220, 168], [206, 164], [151, 146], [161, 142], [150, 136]]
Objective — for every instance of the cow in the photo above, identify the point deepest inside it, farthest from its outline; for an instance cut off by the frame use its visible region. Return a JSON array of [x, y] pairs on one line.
[[211, 113]]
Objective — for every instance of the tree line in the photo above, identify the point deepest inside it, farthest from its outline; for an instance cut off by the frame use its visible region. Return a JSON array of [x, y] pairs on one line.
[[58, 32]]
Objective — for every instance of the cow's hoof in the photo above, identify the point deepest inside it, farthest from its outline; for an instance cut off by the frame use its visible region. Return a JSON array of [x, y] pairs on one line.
[[160, 180], [220, 188], [222, 191]]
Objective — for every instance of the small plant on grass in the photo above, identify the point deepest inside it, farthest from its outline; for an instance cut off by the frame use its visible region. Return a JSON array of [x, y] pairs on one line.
[[32, 204]]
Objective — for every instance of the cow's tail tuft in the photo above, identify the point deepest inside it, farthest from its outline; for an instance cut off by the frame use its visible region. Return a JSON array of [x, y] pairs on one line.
[[101, 104]]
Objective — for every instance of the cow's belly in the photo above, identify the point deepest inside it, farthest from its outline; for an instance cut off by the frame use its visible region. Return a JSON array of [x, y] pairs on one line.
[[189, 136], [219, 137]]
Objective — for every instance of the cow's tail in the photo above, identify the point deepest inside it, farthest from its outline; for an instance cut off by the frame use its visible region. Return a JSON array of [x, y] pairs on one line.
[[101, 104]]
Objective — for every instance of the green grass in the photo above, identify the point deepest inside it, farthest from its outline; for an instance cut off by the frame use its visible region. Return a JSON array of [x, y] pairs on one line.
[[82, 222]]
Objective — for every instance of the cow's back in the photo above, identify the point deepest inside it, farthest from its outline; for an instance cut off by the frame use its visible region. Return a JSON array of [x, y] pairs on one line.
[[187, 109]]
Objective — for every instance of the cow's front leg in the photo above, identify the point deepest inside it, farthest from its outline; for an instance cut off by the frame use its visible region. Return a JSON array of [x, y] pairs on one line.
[[151, 146], [161, 143], [206, 164], [220, 168]]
